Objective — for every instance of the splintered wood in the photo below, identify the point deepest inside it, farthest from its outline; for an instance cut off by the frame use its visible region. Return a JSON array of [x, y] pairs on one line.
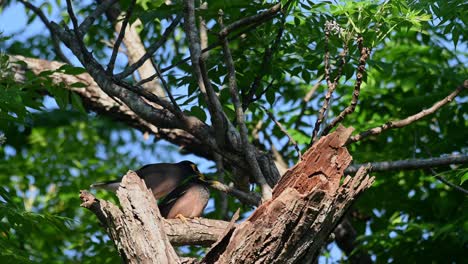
[[307, 204]]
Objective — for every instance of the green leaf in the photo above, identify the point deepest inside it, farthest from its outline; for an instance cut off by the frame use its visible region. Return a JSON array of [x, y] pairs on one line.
[[198, 112]]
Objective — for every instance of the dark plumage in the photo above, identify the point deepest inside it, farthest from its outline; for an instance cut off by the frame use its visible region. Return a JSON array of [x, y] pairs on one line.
[[161, 178]]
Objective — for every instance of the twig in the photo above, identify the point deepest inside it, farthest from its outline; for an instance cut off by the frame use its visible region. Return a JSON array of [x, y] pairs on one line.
[[409, 119], [78, 36], [255, 19], [330, 90], [412, 164], [251, 198], [115, 50], [100, 9], [210, 47], [306, 100], [223, 201], [365, 53], [150, 51], [331, 85], [55, 39], [164, 84], [249, 149], [445, 181], [267, 55], [291, 139]]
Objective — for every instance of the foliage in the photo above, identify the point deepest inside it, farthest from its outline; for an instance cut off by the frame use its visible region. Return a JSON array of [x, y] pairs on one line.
[[418, 57]]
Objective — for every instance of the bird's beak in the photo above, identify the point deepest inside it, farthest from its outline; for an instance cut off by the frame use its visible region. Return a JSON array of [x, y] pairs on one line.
[[199, 175]]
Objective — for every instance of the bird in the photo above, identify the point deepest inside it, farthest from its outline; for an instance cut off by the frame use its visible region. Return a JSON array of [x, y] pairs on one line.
[[161, 178], [188, 200]]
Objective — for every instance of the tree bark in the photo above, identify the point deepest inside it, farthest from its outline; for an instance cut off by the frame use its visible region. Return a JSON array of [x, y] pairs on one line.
[[292, 227], [136, 229]]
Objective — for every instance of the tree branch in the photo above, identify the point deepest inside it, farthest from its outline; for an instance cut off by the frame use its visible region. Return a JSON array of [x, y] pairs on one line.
[[214, 106], [409, 119], [137, 230], [110, 65], [412, 164], [365, 53], [196, 231], [448, 183], [254, 19], [249, 149], [149, 52], [94, 99], [100, 9], [291, 139], [55, 40]]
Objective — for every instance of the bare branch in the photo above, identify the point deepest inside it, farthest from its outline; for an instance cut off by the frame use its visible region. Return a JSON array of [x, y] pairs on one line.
[[223, 206], [249, 149], [410, 119], [291, 139], [250, 198], [331, 88], [100, 9], [446, 182], [78, 36], [412, 164], [150, 51], [178, 111], [115, 50], [255, 19], [365, 53], [55, 40], [214, 106]]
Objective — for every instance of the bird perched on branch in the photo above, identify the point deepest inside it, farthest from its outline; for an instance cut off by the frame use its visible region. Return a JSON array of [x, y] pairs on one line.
[[161, 178], [188, 200]]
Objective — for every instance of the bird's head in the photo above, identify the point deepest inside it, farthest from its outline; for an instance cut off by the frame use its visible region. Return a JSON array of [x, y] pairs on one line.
[[192, 169]]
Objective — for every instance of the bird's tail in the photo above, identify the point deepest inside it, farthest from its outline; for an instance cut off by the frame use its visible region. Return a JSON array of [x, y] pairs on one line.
[[107, 185]]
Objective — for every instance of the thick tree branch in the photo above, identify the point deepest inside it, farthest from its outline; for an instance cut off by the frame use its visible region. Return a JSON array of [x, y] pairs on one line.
[[412, 164], [410, 119], [96, 100], [214, 106]]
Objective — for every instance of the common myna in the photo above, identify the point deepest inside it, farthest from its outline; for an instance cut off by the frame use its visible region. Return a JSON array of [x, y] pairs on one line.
[[161, 178], [186, 201]]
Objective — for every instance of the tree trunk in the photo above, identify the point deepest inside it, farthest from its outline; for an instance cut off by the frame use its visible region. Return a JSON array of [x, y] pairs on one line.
[[292, 227]]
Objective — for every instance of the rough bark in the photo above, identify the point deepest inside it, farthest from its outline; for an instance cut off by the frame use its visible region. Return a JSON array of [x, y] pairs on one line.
[[197, 231], [307, 204], [136, 229]]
